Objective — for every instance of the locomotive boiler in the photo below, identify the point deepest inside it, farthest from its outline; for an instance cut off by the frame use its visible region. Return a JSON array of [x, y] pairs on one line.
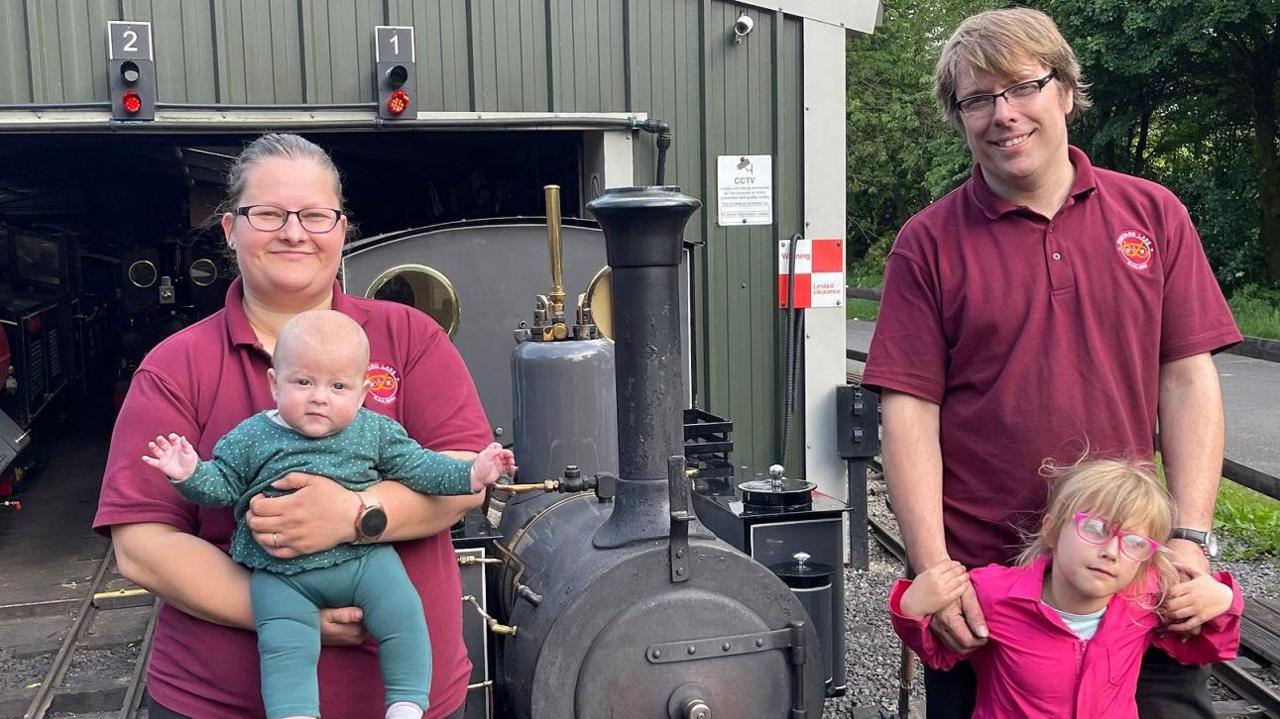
[[618, 601]]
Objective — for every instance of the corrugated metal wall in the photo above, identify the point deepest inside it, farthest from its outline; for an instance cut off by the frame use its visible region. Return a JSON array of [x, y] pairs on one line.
[[672, 59]]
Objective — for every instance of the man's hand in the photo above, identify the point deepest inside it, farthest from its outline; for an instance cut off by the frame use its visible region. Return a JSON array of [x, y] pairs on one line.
[[319, 514], [961, 625], [340, 626], [1188, 553], [172, 455], [1195, 601], [934, 589]]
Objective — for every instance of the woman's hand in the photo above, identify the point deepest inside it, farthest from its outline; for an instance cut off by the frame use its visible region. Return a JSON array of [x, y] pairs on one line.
[[341, 627], [1195, 601], [935, 589], [319, 514]]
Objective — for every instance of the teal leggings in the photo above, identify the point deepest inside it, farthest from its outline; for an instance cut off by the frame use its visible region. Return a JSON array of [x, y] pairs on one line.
[[286, 609]]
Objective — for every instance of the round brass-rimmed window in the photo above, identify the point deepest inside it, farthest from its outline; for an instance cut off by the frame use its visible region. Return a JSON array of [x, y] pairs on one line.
[[143, 274], [423, 287], [599, 297], [203, 272]]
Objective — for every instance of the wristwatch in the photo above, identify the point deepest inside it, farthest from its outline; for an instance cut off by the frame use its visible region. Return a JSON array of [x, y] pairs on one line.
[[371, 521], [1208, 541]]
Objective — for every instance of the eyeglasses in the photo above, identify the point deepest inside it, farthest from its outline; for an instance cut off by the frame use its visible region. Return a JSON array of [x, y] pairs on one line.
[[269, 218], [1020, 95], [1096, 530]]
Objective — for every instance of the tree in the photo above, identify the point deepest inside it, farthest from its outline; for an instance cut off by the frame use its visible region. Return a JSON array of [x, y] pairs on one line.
[[902, 153], [1180, 80]]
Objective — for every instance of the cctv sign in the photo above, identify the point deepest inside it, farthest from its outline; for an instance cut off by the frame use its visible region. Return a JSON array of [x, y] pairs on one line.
[[745, 190]]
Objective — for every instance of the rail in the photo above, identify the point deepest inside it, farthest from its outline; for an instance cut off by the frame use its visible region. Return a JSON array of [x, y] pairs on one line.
[[52, 696]]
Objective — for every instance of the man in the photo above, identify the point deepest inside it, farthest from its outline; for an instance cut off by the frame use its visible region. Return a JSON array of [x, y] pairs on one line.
[[1042, 310]]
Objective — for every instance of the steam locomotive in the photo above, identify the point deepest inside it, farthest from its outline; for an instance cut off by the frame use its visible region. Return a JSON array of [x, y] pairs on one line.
[[603, 590]]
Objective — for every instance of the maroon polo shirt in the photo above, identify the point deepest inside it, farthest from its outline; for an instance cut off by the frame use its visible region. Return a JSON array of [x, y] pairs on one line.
[[203, 381], [1040, 338]]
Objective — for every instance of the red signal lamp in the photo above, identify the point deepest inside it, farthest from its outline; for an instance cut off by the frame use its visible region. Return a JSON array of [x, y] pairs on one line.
[[398, 102], [131, 101]]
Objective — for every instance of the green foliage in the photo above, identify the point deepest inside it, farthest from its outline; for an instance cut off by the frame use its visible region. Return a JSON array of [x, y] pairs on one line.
[[867, 310], [902, 154], [1185, 91], [1248, 521], [1257, 311]]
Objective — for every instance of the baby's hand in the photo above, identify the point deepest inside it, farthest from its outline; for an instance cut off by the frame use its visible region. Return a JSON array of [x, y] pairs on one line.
[[1195, 601], [934, 589], [172, 455], [492, 462]]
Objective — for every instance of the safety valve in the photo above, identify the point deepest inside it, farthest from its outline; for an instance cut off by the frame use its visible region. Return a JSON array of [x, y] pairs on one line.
[[394, 72], [131, 77]]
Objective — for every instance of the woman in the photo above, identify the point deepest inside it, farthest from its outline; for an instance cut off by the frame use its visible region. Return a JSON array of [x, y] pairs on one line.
[[285, 225]]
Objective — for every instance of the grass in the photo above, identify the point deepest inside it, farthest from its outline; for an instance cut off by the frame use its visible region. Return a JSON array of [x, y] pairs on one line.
[[862, 310], [1257, 311], [1248, 521]]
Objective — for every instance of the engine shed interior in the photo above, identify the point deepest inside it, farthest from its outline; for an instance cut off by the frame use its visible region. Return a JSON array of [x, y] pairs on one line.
[[109, 243]]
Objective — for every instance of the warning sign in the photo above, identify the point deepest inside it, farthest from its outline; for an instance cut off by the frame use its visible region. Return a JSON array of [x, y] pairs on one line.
[[745, 195], [819, 273]]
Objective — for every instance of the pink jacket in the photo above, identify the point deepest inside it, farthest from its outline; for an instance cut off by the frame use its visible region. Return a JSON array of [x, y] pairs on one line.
[[1033, 666]]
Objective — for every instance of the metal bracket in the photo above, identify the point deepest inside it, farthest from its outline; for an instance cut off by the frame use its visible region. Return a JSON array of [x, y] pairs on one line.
[[678, 488], [695, 649]]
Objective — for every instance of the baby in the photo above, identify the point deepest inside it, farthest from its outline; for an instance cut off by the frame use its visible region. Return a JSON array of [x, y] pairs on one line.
[[319, 426]]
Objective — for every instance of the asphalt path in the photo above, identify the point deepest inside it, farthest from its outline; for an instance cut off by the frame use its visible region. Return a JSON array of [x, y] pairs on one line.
[[1250, 391]]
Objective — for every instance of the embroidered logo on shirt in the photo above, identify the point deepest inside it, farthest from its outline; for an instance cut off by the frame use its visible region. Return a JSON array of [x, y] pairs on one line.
[[1135, 249], [383, 382]]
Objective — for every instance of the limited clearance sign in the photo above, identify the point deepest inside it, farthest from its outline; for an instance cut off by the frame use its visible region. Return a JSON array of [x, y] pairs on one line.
[[819, 273]]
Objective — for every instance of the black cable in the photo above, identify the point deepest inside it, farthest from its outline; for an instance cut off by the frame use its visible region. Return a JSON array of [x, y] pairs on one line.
[[794, 331]]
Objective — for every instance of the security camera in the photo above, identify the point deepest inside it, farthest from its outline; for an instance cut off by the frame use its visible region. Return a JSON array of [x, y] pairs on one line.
[[743, 27]]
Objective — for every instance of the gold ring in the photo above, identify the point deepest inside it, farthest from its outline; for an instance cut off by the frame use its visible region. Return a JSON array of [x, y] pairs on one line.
[[275, 540]]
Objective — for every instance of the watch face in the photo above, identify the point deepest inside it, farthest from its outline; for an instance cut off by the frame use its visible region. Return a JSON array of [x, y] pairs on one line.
[[373, 523], [1211, 545]]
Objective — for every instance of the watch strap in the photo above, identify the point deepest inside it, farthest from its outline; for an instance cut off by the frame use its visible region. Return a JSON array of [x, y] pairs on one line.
[[1191, 535]]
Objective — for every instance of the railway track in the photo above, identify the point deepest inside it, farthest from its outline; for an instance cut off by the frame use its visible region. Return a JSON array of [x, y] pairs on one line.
[[96, 670], [1259, 644]]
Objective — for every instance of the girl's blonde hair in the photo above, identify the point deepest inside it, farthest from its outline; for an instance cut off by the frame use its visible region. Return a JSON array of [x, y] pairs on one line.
[[997, 42], [1126, 493]]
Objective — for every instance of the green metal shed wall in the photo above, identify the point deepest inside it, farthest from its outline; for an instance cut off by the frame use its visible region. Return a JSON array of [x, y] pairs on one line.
[[672, 59]]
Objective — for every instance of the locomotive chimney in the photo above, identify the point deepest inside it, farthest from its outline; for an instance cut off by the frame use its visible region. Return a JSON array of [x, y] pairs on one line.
[[643, 228]]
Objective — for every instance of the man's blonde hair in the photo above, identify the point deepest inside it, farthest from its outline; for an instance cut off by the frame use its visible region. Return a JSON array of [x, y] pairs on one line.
[[1125, 493], [999, 43]]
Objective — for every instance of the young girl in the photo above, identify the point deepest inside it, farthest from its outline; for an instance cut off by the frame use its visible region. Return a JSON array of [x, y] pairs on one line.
[[1069, 625]]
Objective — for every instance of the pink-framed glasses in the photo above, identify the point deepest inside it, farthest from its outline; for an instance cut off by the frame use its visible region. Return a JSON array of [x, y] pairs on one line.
[[1096, 530]]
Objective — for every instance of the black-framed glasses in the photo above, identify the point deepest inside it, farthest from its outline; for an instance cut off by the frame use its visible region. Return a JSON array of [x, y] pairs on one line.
[[1096, 530], [1019, 95], [269, 218]]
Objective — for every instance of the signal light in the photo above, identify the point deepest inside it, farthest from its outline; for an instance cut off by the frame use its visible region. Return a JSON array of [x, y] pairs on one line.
[[395, 73], [398, 102], [129, 72], [131, 101], [396, 76]]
